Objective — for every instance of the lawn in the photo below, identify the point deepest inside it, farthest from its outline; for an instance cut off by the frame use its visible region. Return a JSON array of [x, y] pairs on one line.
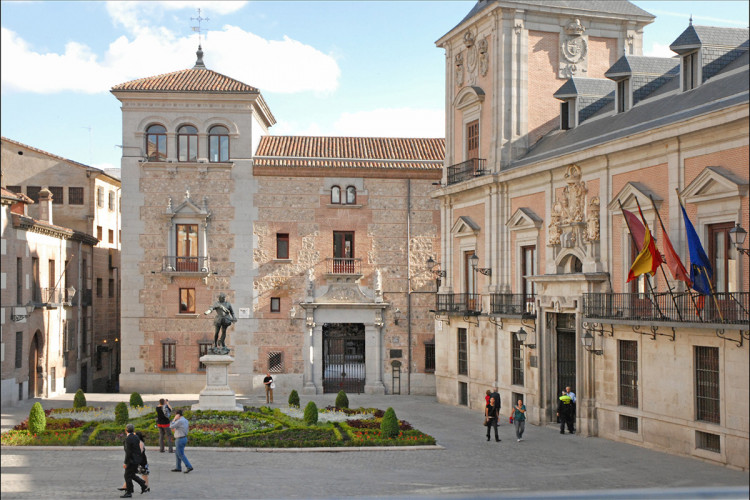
[[252, 428]]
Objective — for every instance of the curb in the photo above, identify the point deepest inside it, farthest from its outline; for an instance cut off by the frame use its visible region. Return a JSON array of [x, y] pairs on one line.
[[241, 450]]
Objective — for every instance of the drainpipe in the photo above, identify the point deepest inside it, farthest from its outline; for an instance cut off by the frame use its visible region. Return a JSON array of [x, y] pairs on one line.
[[408, 281]]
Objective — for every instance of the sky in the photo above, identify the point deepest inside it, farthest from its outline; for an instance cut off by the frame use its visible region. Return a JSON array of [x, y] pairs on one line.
[[335, 68]]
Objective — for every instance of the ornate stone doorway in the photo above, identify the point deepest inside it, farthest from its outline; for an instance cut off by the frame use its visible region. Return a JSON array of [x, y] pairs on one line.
[[566, 352], [344, 357]]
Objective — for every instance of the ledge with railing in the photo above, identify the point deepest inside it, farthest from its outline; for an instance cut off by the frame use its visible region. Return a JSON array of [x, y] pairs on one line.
[[459, 303], [466, 170], [513, 304], [338, 265], [641, 308], [177, 264], [53, 297]]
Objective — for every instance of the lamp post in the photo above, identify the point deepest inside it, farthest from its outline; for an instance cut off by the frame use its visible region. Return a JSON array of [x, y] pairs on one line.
[[396, 315], [521, 336], [482, 270], [737, 234], [588, 341]]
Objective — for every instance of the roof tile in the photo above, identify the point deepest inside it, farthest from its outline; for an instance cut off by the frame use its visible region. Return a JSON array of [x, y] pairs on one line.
[[187, 80]]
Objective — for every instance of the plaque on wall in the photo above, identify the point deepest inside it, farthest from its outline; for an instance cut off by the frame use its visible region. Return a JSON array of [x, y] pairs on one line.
[[532, 361], [396, 353], [244, 313]]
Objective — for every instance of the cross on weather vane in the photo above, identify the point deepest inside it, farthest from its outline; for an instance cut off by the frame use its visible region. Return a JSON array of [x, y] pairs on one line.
[[198, 28]]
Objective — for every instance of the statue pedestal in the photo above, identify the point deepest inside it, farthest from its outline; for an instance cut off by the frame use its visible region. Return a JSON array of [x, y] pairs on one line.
[[217, 394]]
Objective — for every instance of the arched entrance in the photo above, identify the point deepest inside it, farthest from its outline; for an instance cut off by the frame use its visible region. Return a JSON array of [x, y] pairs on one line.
[[344, 357], [35, 368]]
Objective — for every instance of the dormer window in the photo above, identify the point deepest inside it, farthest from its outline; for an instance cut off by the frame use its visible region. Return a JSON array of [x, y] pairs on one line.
[[567, 114], [623, 95], [690, 67]]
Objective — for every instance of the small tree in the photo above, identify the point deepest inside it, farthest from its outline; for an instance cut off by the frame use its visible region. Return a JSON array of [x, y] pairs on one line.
[[37, 419], [136, 400], [341, 400], [389, 424], [79, 400], [121, 413], [311, 413], [294, 399]]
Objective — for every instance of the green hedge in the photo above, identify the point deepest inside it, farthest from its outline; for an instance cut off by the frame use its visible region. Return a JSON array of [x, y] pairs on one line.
[[79, 400], [294, 399], [289, 438], [37, 419], [136, 400], [342, 401]]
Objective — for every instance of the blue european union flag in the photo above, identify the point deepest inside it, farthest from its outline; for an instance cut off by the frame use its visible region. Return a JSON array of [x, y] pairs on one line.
[[701, 271]]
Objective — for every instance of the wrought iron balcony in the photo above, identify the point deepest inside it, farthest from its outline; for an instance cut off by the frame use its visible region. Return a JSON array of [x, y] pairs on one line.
[[469, 304], [726, 309], [174, 264], [466, 170], [513, 304], [53, 297], [343, 266]]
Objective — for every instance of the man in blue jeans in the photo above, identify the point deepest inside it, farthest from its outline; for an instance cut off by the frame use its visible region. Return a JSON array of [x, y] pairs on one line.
[[180, 427]]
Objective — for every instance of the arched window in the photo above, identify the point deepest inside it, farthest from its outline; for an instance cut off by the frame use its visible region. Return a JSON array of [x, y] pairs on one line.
[[335, 195], [218, 143], [156, 143], [187, 143], [351, 195]]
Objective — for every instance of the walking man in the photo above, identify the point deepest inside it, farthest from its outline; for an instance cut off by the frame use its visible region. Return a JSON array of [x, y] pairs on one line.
[[132, 461], [180, 427], [268, 382]]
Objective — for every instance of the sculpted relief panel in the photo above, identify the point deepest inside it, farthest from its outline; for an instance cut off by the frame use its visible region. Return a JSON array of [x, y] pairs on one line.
[[573, 51]]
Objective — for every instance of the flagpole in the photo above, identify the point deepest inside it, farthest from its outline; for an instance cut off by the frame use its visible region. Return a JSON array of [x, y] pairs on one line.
[[708, 278], [664, 230], [661, 265], [648, 282]]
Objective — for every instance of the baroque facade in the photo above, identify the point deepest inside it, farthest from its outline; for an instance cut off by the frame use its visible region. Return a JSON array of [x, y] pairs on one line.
[[566, 125], [85, 199], [319, 244]]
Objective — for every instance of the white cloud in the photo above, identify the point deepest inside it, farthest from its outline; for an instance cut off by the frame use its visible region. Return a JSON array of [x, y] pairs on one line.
[[392, 122], [659, 50], [135, 16], [284, 66]]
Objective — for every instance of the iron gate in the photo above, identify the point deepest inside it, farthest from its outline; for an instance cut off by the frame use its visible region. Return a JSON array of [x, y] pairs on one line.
[[566, 352], [344, 358]]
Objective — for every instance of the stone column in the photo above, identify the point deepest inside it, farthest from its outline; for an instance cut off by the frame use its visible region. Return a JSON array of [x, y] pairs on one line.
[[308, 379], [317, 358], [373, 360], [217, 395]]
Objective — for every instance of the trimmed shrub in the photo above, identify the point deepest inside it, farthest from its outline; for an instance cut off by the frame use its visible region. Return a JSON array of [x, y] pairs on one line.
[[311, 414], [294, 399], [136, 400], [121, 413], [37, 420], [79, 400], [389, 424], [341, 400]]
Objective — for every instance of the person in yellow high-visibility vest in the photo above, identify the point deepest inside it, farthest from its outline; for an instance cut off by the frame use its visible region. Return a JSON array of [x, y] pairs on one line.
[[565, 412]]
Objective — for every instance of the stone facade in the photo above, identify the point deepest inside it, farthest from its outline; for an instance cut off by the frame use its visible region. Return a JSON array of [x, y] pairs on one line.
[[547, 226]]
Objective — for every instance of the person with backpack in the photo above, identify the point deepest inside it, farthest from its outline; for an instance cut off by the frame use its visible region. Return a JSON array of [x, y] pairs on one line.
[[163, 413]]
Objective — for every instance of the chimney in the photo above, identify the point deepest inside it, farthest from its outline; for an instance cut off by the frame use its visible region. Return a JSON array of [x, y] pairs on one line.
[[45, 205]]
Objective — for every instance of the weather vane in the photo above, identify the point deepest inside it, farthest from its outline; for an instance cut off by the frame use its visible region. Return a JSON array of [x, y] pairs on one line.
[[198, 28]]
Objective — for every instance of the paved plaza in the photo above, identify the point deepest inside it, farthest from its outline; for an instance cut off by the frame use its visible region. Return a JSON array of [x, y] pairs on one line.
[[544, 465]]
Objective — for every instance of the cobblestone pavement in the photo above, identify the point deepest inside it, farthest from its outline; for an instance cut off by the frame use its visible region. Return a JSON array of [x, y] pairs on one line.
[[467, 467]]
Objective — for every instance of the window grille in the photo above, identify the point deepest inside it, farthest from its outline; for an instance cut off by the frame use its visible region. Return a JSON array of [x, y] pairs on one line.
[[14, 189], [463, 393], [707, 441], [463, 359], [429, 357], [707, 384], [628, 423], [517, 360], [168, 356], [75, 196], [57, 195], [33, 192], [275, 362], [629, 373]]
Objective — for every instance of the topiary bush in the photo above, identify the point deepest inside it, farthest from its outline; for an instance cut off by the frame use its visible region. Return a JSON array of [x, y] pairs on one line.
[[389, 424], [311, 414], [121, 413], [294, 399], [341, 400], [136, 400], [79, 400], [37, 420]]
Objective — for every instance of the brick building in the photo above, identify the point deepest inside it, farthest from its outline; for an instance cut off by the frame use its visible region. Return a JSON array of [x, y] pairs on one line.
[[85, 199], [555, 122], [294, 230]]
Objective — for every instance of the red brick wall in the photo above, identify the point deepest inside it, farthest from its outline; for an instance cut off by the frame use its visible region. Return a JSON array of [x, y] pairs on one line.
[[544, 110], [602, 55]]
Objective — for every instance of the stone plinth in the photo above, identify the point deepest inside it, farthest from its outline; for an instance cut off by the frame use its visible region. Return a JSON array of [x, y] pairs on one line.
[[217, 394]]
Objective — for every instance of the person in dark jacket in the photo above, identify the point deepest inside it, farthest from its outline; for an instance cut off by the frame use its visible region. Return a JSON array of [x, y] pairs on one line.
[[495, 394], [565, 412], [490, 417], [132, 461], [163, 412]]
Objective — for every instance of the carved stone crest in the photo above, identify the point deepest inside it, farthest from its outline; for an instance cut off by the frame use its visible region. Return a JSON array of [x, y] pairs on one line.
[[554, 231], [484, 60], [459, 69], [573, 50], [592, 220], [574, 195]]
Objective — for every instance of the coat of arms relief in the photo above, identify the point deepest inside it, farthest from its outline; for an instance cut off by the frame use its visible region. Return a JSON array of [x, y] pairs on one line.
[[573, 51], [476, 60]]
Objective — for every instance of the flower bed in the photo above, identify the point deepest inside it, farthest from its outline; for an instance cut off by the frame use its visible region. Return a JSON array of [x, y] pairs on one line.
[[254, 427]]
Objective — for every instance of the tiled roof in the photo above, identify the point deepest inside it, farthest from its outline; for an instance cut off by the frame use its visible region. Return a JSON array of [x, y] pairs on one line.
[[614, 7], [697, 36], [187, 80], [350, 152], [585, 86], [10, 195], [642, 65]]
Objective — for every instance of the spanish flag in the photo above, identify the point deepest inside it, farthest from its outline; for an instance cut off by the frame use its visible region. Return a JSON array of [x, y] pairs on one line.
[[648, 261]]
